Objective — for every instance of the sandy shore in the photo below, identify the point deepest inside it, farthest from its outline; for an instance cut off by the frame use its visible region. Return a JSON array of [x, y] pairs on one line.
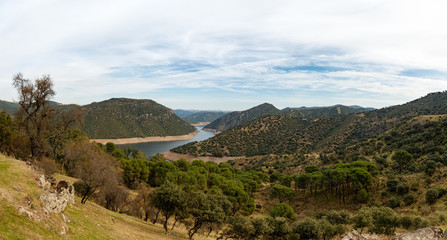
[[176, 156], [146, 139]]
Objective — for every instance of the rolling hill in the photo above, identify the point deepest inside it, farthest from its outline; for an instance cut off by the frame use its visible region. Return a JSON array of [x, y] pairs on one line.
[[291, 134], [203, 116], [127, 118], [8, 107], [237, 118], [317, 112]]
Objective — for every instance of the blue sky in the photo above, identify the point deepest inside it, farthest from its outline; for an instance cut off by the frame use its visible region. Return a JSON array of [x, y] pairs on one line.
[[228, 55]]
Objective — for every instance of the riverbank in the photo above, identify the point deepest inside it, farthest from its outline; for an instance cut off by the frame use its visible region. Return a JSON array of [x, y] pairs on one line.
[[146, 139], [176, 156]]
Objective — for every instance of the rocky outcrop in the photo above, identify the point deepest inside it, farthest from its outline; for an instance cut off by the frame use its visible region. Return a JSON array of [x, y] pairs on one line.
[[429, 233], [55, 200], [353, 235]]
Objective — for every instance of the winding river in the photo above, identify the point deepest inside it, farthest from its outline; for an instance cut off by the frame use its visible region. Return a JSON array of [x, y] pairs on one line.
[[152, 148]]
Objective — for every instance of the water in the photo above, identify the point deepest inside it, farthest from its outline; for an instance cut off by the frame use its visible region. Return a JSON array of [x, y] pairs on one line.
[[152, 148]]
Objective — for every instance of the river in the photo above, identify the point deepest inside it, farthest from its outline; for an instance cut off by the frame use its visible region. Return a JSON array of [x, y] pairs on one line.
[[152, 148]]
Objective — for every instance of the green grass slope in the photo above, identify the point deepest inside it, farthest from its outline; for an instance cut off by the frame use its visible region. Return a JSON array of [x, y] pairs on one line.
[[127, 118]]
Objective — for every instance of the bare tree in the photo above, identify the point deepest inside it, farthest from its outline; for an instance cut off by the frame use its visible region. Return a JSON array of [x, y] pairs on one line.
[[35, 110]]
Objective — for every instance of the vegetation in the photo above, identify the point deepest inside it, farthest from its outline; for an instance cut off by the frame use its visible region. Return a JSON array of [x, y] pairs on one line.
[[203, 116], [132, 118], [237, 118]]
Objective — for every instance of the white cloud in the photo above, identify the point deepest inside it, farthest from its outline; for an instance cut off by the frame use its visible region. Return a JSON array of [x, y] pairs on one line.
[[98, 49]]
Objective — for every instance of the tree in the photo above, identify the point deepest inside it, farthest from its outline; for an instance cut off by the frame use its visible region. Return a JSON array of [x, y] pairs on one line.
[[403, 159], [307, 229], [239, 228], [282, 210], [206, 208], [35, 111], [282, 193], [7, 131], [168, 198], [91, 165]]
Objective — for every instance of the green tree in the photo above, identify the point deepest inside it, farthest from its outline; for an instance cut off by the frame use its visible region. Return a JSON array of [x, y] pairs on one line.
[[282, 193], [282, 210], [403, 159], [280, 228], [206, 208], [307, 229], [167, 199], [384, 221], [7, 131], [239, 228], [363, 219]]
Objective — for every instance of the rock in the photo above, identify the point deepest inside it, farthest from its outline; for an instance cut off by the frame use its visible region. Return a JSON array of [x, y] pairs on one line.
[[23, 211], [43, 183], [56, 201], [64, 230], [429, 233], [28, 201], [353, 235], [17, 188]]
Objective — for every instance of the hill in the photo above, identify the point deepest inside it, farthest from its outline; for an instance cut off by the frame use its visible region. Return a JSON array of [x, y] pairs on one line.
[[84, 221], [8, 107], [203, 116], [237, 118], [317, 112], [291, 134], [127, 118]]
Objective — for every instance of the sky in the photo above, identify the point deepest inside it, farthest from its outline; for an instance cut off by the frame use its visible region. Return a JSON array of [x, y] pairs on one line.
[[227, 55]]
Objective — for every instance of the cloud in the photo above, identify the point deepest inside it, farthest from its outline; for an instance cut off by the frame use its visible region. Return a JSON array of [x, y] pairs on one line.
[[372, 53]]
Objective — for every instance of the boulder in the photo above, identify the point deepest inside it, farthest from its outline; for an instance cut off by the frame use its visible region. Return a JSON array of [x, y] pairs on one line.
[[429, 233], [353, 235], [56, 200]]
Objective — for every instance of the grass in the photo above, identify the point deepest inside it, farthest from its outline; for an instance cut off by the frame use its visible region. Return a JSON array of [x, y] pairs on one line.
[[86, 221]]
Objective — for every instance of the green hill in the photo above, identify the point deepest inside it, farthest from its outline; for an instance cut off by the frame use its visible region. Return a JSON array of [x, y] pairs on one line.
[[127, 118], [237, 118], [291, 134], [8, 107], [317, 112], [203, 116]]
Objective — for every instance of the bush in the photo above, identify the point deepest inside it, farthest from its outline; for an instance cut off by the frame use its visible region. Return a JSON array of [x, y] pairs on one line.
[[362, 196], [406, 222], [409, 199], [80, 187], [441, 192], [394, 202], [307, 229], [431, 195], [402, 189], [280, 228], [282, 210], [392, 185]]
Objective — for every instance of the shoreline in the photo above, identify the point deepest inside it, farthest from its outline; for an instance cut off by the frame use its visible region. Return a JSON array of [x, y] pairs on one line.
[[119, 141]]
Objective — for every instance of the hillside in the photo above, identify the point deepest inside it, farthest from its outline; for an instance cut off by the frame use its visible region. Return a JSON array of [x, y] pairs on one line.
[[237, 118], [284, 135], [127, 118], [317, 112], [8, 107], [84, 221], [203, 116]]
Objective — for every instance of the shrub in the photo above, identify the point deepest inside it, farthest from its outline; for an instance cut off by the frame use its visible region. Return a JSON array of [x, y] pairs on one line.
[[406, 222], [392, 185], [362, 196], [441, 192], [431, 195], [402, 189], [409, 199], [307, 229], [394, 202], [282, 210]]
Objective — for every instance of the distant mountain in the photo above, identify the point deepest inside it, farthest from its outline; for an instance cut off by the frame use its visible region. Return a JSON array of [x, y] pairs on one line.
[[126, 118], [183, 113], [237, 118], [317, 112], [9, 107], [291, 134], [203, 116]]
